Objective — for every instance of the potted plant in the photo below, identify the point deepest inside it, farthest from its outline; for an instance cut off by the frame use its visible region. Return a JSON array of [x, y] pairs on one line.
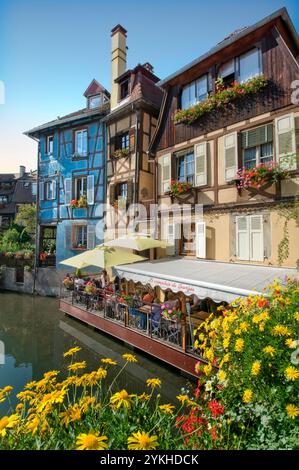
[[82, 202], [43, 256], [121, 153], [178, 188], [74, 203], [263, 174], [222, 97], [90, 288], [28, 255], [170, 313]]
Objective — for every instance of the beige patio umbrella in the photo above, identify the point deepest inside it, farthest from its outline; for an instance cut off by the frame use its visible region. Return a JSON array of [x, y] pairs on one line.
[[137, 241], [103, 256]]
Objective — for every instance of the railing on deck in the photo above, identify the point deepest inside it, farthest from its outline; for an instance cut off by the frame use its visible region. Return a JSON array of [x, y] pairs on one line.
[[140, 318]]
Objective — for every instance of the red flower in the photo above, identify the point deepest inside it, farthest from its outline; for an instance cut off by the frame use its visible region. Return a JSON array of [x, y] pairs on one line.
[[213, 433], [216, 409], [263, 303]]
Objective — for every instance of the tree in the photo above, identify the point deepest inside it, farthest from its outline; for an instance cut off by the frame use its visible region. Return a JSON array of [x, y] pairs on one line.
[[26, 217]]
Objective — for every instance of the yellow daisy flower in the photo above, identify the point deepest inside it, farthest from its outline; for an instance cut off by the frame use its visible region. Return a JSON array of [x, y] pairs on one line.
[[73, 413], [3, 425], [167, 408], [247, 396], [77, 366], [120, 399], [182, 398], [292, 411], [256, 368], [142, 441], [269, 350], [129, 357], [91, 442], [222, 376], [107, 360], [281, 330], [153, 383], [71, 351], [291, 373], [239, 345]]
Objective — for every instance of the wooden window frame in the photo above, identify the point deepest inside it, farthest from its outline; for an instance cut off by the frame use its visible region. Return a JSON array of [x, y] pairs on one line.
[[46, 191], [121, 84]]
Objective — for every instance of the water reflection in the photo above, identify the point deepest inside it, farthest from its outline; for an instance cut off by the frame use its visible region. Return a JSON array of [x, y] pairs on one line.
[[35, 335]]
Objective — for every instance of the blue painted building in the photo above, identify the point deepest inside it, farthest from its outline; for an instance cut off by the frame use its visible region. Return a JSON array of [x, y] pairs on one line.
[[71, 179]]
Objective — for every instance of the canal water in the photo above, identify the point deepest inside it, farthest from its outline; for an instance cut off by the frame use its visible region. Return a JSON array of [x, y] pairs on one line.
[[34, 335]]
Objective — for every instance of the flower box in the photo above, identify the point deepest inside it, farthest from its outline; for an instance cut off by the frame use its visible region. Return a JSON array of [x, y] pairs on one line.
[[121, 153], [170, 313], [260, 177], [221, 98], [178, 188], [79, 203]]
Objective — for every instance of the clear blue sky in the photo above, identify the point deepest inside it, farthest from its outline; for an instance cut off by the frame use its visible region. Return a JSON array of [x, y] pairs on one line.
[[50, 50]]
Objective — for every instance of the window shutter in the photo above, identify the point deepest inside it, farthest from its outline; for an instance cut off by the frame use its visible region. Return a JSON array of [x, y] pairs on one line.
[[68, 237], [170, 238], [67, 190], [201, 177], [256, 238], [242, 237], [54, 189], [166, 173], [130, 192], [112, 194], [258, 136], [90, 237], [286, 142], [41, 191], [90, 189], [230, 155], [132, 132], [112, 146], [200, 239]]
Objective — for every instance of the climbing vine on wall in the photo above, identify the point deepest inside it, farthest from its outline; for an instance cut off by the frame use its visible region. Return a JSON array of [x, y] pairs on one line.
[[288, 212]]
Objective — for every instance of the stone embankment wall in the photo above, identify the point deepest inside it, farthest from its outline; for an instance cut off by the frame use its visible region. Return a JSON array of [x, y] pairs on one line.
[[47, 281]]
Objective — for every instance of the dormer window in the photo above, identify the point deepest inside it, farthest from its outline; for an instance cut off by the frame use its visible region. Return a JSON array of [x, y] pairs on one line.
[[94, 101], [194, 92], [241, 68], [227, 72], [124, 89]]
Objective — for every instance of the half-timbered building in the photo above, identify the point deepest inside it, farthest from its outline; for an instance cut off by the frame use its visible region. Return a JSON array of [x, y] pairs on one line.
[[71, 179], [234, 108], [135, 104]]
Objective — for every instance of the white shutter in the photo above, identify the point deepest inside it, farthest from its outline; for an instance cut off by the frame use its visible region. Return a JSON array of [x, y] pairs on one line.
[[256, 238], [67, 190], [166, 173], [41, 191], [200, 151], [230, 155], [54, 189], [286, 142], [169, 237], [68, 237], [242, 237], [90, 189], [200, 239], [90, 237]]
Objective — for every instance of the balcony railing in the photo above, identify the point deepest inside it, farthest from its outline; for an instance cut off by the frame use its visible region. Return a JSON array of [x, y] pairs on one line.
[[142, 318]]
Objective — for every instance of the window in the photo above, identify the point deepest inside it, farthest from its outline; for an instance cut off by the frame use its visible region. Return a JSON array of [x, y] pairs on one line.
[[122, 191], [124, 89], [50, 145], [34, 189], [122, 141], [81, 140], [227, 72], [249, 65], [80, 236], [94, 101], [257, 146], [194, 92], [80, 187], [185, 167], [3, 199], [50, 190]]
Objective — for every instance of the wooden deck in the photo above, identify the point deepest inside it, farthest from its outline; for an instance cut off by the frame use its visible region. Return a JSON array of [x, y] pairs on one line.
[[166, 352]]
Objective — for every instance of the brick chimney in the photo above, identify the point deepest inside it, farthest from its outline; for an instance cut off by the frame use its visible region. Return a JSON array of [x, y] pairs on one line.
[[118, 59]]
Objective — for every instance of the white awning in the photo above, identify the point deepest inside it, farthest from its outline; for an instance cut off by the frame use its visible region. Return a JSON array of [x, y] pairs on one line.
[[217, 280]]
